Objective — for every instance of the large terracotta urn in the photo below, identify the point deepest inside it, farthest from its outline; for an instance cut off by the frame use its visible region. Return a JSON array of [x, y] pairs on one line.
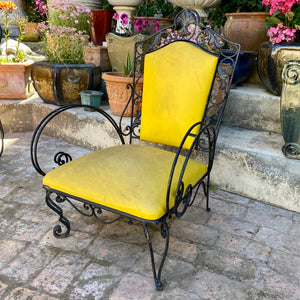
[[198, 5], [246, 28]]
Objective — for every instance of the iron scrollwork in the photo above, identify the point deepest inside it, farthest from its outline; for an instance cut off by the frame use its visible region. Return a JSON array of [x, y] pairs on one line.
[[62, 158], [57, 230]]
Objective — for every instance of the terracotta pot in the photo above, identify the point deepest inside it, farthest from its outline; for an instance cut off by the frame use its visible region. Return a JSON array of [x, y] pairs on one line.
[[97, 55], [247, 29], [15, 80], [270, 61], [119, 94], [100, 21], [31, 32], [61, 84]]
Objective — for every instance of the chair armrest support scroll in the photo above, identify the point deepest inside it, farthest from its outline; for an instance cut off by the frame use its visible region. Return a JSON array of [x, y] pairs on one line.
[[62, 157], [204, 140]]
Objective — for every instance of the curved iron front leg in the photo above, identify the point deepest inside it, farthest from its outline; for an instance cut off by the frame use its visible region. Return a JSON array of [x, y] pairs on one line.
[[165, 235], [57, 230]]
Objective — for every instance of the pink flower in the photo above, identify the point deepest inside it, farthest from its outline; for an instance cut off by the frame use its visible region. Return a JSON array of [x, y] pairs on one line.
[[283, 5], [146, 21], [116, 16], [157, 26], [139, 28], [281, 33], [124, 19]]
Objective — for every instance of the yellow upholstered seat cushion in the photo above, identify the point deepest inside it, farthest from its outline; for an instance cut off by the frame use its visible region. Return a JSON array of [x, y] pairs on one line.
[[177, 82], [128, 178]]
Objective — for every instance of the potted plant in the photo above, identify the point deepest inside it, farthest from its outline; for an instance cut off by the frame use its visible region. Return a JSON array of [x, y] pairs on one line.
[[100, 20], [36, 13], [60, 79], [243, 21], [117, 85], [283, 23], [15, 82], [120, 44], [162, 11], [198, 5]]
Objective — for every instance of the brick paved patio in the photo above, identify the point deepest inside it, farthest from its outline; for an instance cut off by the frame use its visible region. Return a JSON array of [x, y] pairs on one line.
[[242, 249]]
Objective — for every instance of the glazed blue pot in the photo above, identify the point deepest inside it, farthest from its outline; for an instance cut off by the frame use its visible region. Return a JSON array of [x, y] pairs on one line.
[[91, 98], [245, 67]]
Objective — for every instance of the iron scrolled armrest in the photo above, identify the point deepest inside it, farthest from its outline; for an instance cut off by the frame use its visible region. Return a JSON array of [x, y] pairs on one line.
[[61, 157], [185, 194]]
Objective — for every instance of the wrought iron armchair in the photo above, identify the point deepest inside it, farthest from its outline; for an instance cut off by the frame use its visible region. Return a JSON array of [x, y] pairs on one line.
[[187, 71]]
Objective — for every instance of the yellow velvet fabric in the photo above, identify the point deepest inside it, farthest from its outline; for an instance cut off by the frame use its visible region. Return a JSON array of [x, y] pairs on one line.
[[177, 81], [128, 178]]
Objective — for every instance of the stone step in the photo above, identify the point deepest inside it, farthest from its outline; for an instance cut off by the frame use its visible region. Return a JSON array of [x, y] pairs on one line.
[[251, 106], [251, 163], [248, 162]]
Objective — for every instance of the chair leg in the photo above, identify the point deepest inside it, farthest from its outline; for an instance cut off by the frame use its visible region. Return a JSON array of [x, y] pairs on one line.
[[165, 235], [57, 231], [206, 192]]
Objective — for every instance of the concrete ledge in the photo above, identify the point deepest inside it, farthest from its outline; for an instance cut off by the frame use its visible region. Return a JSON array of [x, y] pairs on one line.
[[250, 163], [247, 162], [252, 107]]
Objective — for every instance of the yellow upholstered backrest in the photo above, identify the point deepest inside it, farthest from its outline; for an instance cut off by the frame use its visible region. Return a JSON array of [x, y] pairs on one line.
[[177, 82]]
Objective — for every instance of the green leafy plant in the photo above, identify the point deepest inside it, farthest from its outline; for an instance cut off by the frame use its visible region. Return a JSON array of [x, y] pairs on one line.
[[128, 67], [152, 8], [106, 5], [7, 8]]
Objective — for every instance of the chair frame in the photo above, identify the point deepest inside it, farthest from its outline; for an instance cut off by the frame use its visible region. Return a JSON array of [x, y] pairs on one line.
[[2, 138], [186, 27]]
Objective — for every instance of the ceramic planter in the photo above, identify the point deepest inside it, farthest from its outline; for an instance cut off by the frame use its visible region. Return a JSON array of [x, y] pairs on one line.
[[92, 98], [290, 109], [15, 80], [127, 7], [247, 29], [270, 61], [119, 94], [61, 84], [118, 48], [198, 5], [100, 21]]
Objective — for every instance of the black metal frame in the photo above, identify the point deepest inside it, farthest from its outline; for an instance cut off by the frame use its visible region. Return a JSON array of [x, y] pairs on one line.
[[186, 27], [2, 138]]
